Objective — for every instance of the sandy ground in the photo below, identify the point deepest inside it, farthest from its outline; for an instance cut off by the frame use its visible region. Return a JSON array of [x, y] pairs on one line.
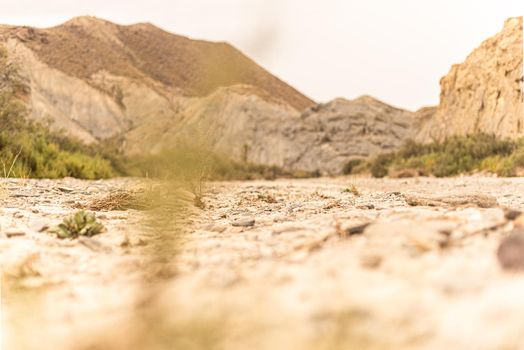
[[321, 267]]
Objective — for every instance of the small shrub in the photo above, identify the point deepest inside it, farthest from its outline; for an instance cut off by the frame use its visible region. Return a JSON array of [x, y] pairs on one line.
[[351, 166], [453, 156], [380, 165], [352, 189], [82, 223]]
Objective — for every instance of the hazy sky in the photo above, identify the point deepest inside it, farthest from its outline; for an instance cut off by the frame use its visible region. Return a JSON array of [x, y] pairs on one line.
[[395, 50]]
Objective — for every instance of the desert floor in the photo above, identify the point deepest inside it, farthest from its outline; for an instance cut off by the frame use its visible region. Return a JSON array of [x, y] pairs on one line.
[[329, 263]]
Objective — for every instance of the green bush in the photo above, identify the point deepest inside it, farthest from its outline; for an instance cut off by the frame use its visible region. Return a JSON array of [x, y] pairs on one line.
[[352, 166], [82, 223], [28, 149], [453, 156], [380, 165]]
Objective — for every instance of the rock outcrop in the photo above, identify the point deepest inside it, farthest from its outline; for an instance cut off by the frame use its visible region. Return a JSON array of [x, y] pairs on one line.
[[483, 94], [331, 134], [244, 126]]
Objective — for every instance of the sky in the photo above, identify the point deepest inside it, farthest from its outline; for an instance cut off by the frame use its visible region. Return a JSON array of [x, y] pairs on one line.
[[394, 50]]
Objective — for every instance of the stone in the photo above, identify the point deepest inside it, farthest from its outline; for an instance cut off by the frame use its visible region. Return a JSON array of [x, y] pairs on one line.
[[356, 230], [10, 233], [38, 225], [244, 222], [371, 261], [454, 201], [512, 214], [510, 252], [92, 189], [93, 244], [65, 189]]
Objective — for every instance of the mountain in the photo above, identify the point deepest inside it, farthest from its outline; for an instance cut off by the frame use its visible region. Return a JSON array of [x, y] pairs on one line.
[[150, 88], [482, 94], [97, 79]]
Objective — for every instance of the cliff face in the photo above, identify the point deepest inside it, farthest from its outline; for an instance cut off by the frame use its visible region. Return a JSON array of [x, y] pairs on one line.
[[483, 94]]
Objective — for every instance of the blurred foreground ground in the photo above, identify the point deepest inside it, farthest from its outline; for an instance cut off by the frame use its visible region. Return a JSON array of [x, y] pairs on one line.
[[305, 276]]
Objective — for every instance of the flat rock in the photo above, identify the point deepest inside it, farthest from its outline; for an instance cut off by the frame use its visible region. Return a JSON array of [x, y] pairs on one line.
[[65, 189], [454, 201], [244, 222], [94, 244], [14, 233]]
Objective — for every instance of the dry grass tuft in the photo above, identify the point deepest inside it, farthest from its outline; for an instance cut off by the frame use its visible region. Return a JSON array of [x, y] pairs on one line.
[[122, 200]]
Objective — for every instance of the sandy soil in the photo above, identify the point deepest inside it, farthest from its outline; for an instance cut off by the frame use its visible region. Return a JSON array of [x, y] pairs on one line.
[[322, 267]]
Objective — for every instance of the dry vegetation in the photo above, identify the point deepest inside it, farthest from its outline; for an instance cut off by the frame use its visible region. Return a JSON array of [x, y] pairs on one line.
[[123, 200]]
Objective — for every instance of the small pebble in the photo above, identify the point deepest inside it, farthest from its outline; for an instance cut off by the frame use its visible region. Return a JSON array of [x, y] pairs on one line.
[[65, 189], [246, 222], [38, 225], [511, 251], [94, 244], [371, 261], [14, 233], [92, 189], [512, 214], [356, 230]]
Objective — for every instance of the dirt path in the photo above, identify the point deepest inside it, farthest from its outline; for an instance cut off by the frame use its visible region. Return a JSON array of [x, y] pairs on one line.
[[321, 267]]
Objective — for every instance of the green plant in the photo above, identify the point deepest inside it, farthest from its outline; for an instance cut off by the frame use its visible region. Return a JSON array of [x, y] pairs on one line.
[[352, 189], [380, 165], [351, 166], [82, 223]]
